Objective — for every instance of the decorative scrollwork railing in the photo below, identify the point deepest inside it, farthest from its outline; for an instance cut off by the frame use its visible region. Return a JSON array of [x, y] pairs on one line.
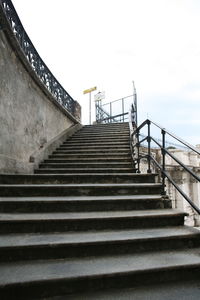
[[9, 17]]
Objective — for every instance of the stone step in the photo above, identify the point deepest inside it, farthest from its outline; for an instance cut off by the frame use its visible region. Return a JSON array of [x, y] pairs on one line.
[[106, 127], [95, 139], [97, 143], [84, 170], [111, 129], [181, 289], [96, 155], [104, 132], [92, 150], [102, 159], [82, 203], [51, 277], [101, 135], [117, 124], [83, 221], [77, 178], [95, 147], [79, 189], [76, 164], [15, 247]]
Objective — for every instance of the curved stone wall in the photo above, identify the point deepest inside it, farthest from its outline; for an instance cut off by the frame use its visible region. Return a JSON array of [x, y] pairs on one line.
[[29, 119]]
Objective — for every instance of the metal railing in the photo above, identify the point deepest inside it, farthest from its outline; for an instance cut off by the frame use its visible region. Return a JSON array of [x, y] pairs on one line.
[[9, 18], [115, 111], [136, 142]]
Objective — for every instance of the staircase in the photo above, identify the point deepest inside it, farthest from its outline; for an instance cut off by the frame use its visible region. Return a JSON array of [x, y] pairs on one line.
[[85, 221]]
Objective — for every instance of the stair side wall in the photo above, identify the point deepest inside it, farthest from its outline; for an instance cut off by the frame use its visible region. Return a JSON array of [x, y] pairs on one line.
[[28, 118]]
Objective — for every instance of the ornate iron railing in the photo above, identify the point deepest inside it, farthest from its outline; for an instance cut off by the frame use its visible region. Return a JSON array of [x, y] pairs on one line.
[[137, 155], [10, 18]]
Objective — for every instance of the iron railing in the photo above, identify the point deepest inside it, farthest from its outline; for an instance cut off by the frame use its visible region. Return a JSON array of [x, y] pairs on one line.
[[9, 18], [136, 143]]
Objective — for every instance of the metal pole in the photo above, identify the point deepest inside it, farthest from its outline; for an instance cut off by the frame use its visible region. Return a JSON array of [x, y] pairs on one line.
[[135, 103], [163, 161], [90, 108], [149, 148], [138, 150]]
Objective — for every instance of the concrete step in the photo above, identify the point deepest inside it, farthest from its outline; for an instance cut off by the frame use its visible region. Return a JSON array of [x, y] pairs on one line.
[[76, 164], [84, 170], [15, 247], [51, 277], [77, 178], [83, 221], [79, 189], [82, 203]]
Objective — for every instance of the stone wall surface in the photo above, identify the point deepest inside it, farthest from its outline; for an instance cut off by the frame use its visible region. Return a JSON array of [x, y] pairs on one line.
[[28, 119]]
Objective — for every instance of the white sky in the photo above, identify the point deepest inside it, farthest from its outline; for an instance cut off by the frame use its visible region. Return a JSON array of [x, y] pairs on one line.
[[109, 43]]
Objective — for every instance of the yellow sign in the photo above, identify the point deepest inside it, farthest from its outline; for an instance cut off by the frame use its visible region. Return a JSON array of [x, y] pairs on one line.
[[90, 90]]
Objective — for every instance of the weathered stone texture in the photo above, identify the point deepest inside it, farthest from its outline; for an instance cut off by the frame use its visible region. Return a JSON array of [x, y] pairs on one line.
[[28, 119]]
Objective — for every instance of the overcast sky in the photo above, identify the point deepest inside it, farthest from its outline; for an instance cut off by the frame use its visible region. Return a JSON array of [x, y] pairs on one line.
[[109, 43]]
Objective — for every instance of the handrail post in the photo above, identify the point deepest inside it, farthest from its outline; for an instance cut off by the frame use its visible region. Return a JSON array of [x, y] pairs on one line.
[[149, 147], [138, 151], [163, 161]]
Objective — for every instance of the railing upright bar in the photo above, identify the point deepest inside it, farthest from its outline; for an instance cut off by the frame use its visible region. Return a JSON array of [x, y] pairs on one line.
[[110, 112], [163, 161], [149, 147], [138, 150]]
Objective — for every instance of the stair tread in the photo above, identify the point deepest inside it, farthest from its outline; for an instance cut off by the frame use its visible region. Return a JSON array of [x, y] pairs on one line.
[[46, 170], [91, 237], [84, 185], [89, 215], [78, 174], [82, 198], [102, 159], [88, 163], [34, 271], [185, 289], [96, 154]]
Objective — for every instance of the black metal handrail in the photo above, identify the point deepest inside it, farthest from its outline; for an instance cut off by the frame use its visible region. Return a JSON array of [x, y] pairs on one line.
[[114, 111], [136, 145], [9, 18]]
